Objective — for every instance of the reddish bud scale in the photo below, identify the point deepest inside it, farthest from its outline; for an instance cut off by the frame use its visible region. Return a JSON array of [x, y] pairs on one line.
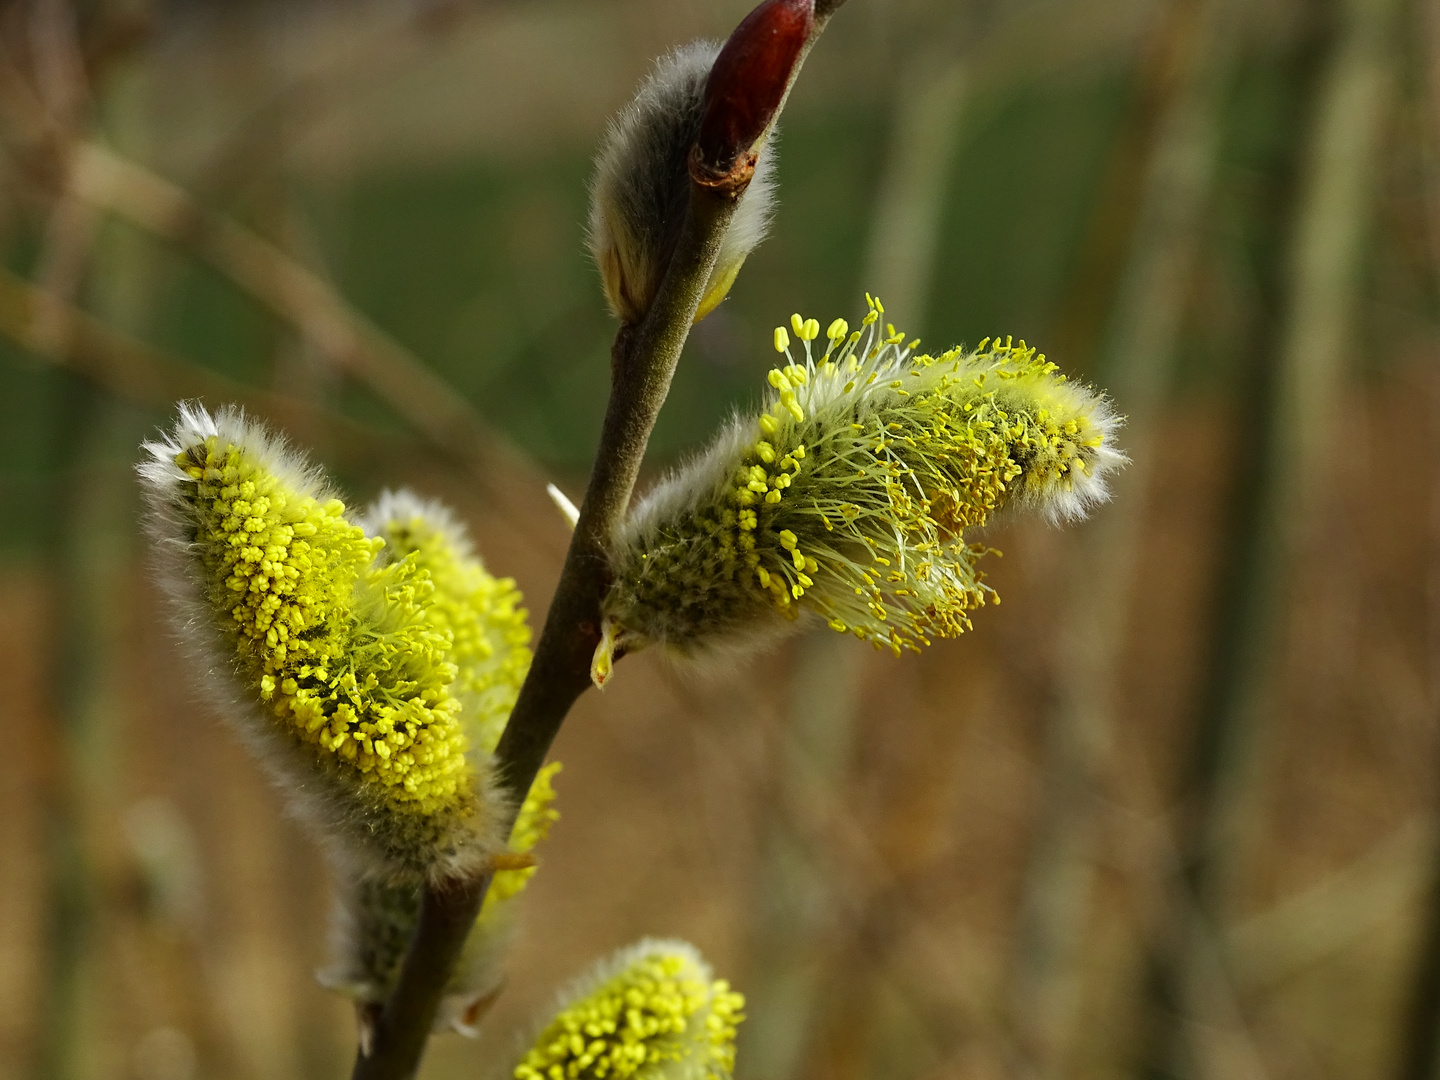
[[747, 84]]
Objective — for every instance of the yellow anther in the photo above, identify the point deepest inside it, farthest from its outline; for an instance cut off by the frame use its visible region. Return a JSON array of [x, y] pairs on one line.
[[811, 330], [788, 539], [779, 381], [838, 329], [782, 339], [797, 322]]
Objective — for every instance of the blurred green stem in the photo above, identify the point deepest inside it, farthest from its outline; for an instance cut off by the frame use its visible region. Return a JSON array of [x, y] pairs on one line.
[[70, 903], [1296, 417], [794, 901], [1136, 359], [1420, 1046], [642, 362]]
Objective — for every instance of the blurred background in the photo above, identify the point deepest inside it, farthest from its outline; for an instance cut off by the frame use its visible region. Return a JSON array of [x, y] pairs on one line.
[[1171, 811]]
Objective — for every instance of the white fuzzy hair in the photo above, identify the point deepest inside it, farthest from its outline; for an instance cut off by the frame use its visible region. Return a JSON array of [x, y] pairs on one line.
[[641, 184], [346, 825], [703, 479], [406, 505]]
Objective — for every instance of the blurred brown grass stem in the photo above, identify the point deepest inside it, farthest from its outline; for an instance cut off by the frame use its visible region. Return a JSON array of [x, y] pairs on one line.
[[1166, 60], [1294, 432], [1321, 921], [1135, 363], [97, 179], [808, 792], [72, 894], [61, 88], [794, 896], [62, 334], [643, 360], [290, 290], [1419, 1052], [405, 32]]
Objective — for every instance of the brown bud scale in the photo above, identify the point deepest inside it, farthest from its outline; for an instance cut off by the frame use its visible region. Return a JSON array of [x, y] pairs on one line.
[[747, 85]]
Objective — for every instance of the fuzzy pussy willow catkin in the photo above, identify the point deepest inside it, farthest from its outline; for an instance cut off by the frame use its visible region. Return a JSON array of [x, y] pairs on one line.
[[482, 617], [489, 634], [650, 1012], [334, 663], [642, 186], [375, 919], [851, 494]]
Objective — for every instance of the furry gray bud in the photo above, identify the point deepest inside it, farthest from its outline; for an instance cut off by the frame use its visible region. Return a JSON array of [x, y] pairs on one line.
[[642, 185]]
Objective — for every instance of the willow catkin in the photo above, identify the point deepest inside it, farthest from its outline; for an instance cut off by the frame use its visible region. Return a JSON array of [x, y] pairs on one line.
[[852, 495]]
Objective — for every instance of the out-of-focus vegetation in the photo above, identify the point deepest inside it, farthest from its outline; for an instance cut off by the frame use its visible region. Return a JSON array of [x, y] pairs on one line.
[[1170, 811]]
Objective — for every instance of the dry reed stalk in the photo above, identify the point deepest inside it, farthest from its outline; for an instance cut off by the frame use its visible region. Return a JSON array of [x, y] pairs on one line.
[[1136, 358], [67, 1031], [1166, 55], [1419, 1056], [794, 901], [68, 1019], [1332, 214], [293, 292], [841, 856]]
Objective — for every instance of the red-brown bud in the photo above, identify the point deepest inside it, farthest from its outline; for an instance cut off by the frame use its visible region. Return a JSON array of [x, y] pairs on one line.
[[746, 86]]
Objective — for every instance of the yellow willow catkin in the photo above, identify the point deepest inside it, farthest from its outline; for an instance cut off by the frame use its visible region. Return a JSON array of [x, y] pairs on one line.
[[375, 920], [490, 647], [650, 1012], [331, 662], [851, 494], [489, 634]]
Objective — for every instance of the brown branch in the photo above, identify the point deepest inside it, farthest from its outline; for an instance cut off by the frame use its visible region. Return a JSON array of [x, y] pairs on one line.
[[291, 291], [427, 404], [61, 334], [643, 361]]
